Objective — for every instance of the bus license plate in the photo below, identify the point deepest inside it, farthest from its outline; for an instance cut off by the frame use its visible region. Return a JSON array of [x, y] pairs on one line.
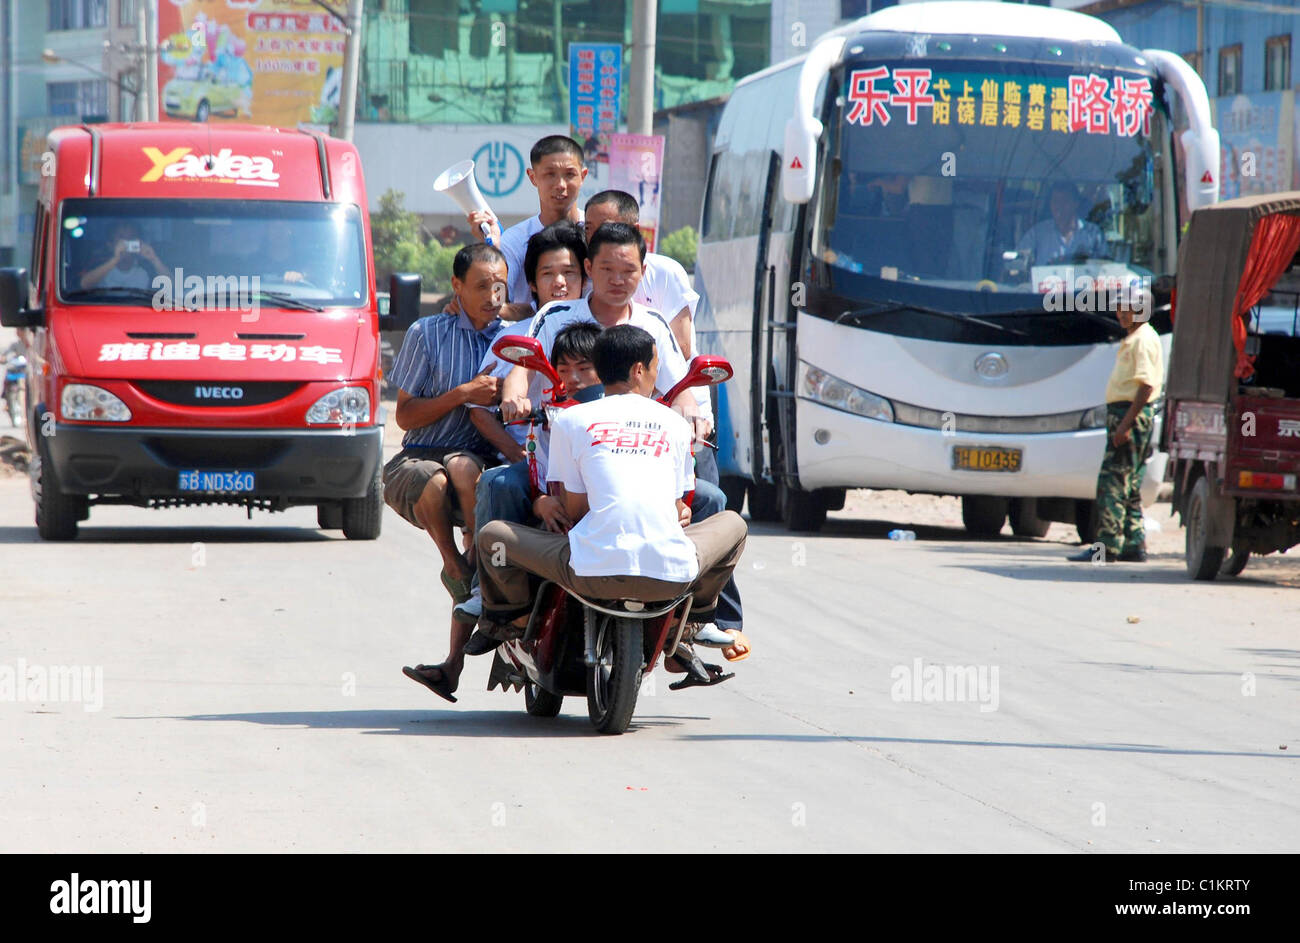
[[985, 458], [215, 482]]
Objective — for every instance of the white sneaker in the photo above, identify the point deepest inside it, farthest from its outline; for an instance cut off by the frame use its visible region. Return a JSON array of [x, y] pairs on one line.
[[708, 635]]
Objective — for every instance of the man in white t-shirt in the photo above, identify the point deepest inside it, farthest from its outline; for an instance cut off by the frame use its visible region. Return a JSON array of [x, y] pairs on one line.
[[624, 465], [557, 170]]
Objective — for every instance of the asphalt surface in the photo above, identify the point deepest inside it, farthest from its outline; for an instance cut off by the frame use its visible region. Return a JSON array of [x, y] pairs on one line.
[[252, 700]]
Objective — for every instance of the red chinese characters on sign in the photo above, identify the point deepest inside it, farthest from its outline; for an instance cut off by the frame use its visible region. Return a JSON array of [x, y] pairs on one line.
[[911, 90], [868, 101], [616, 435], [1098, 107]]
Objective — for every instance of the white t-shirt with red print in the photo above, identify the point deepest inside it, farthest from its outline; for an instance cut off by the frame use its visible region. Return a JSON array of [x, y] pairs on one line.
[[632, 458]]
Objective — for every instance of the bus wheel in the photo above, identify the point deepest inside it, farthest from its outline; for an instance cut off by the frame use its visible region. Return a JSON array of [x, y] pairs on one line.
[[762, 502], [802, 510], [984, 514], [1025, 521], [734, 489]]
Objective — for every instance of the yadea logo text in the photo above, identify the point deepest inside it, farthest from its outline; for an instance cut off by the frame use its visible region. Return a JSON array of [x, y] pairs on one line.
[[223, 167]]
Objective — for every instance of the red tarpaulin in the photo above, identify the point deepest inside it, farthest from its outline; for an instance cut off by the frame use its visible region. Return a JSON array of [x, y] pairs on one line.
[[1276, 240]]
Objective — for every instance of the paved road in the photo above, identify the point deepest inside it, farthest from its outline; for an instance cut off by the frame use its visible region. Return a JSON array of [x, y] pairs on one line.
[[252, 700]]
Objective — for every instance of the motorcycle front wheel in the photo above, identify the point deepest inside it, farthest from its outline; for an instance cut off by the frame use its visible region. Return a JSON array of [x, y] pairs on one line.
[[614, 681]]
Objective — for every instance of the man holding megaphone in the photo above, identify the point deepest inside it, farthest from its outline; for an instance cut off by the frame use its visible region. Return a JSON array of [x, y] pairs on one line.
[[557, 171]]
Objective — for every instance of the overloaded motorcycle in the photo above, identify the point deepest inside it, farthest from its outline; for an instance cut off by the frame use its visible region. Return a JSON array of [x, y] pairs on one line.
[[597, 648]]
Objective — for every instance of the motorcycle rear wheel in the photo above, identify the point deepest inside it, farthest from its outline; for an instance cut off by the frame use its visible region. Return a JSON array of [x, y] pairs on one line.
[[614, 681]]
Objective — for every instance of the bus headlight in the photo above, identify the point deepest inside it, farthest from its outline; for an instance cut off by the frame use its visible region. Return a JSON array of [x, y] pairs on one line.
[[1094, 418], [819, 386], [85, 403], [351, 404]]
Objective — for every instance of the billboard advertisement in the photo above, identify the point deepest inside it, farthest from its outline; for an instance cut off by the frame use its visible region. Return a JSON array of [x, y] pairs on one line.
[[595, 83], [275, 62], [636, 167]]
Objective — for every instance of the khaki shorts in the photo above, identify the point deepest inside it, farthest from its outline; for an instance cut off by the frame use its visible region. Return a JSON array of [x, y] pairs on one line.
[[409, 471]]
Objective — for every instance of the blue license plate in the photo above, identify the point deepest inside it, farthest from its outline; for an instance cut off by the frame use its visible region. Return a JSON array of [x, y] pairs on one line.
[[216, 481]]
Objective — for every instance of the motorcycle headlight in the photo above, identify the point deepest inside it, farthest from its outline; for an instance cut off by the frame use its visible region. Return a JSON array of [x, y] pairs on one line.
[[351, 404], [821, 387], [85, 403], [1094, 418]]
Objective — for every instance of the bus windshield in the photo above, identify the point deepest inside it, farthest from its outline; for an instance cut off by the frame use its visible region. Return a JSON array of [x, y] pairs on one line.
[[985, 186], [211, 254]]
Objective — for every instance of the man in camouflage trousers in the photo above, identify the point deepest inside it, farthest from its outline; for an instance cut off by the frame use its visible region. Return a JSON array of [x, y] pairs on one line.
[[1134, 385]]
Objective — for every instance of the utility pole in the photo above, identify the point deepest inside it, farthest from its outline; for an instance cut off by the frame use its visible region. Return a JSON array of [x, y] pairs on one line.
[[151, 58], [641, 88], [141, 67], [351, 60]]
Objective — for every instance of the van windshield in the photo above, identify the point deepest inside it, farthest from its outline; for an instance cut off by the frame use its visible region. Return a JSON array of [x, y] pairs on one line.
[[211, 254], [984, 185]]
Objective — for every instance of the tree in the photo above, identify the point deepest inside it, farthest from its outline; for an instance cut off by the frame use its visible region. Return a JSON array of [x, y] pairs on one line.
[[401, 246], [680, 245]]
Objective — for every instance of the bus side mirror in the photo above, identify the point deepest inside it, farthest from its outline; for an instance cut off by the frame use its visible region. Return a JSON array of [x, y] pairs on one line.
[[403, 302], [799, 162], [14, 310]]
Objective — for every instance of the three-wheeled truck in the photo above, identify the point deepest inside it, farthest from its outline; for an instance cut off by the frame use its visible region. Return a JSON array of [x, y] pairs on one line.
[[1233, 435]]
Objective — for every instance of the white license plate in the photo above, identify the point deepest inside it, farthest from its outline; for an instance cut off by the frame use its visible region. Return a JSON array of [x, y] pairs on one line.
[[216, 481]]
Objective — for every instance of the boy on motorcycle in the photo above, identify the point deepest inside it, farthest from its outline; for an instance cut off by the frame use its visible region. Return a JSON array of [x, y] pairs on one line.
[[625, 465]]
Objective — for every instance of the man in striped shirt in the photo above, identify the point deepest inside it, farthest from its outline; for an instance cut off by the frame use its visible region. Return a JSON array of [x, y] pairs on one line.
[[437, 375]]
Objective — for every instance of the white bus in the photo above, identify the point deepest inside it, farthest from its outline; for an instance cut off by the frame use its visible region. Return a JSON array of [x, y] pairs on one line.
[[878, 244]]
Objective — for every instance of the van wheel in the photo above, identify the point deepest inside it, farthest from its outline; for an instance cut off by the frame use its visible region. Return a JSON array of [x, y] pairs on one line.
[[984, 514], [802, 510], [363, 517], [201, 113], [329, 516], [734, 489], [1203, 561], [762, 502], [1025, 521], [56, 513], [1085, 521]]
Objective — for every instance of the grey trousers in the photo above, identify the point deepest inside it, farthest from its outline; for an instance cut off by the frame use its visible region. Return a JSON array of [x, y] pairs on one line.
[[509, 552]]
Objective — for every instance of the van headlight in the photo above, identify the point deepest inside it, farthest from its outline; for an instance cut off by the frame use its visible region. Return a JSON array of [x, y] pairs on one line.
[[821, 387], [1094, 418], [85, 403], [351, 404]]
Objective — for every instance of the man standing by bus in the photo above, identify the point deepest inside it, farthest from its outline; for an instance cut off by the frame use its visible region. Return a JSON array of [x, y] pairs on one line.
[[1134, 385]]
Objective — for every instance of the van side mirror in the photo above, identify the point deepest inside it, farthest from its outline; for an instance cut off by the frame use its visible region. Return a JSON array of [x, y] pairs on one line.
[[14, 311], [403, 302]]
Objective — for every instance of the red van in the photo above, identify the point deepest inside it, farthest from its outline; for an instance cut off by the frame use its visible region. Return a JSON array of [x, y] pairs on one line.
[[202, 325]]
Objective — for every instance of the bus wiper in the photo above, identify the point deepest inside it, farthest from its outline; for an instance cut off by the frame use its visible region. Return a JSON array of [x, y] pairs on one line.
[[288, 301], [113, 291], [890, 307], [1095, 316]]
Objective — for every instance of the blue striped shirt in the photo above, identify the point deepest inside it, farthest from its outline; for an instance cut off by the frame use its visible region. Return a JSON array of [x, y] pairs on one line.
[[440, 353]]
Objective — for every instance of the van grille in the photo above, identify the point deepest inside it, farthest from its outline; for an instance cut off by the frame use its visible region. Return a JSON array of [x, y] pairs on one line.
[[217, 392]]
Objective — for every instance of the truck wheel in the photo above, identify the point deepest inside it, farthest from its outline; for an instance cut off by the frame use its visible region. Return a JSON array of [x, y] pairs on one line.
[[363, 517], [56, 513], [1085, 521], [1025, 521], [329, 516], [1203, 561], [762, 502], [734, 489], [802, 510], [983, 514], [614, 681], [539, 702], [1235, 563]]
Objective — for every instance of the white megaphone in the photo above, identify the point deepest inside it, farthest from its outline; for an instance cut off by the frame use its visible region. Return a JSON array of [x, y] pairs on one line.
[[458, 182]]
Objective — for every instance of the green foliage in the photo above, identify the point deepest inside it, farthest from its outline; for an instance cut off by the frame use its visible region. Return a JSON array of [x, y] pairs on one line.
[[401, 246], [680, 245]]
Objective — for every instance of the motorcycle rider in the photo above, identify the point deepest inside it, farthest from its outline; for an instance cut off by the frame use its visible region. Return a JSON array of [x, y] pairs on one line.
[[625, 465]]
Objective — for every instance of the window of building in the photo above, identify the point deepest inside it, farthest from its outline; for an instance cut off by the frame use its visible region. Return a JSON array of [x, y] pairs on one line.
[[78, 14], [126, 12], [1194, 60], [1277, 63], [1230, 70], [77, 99]]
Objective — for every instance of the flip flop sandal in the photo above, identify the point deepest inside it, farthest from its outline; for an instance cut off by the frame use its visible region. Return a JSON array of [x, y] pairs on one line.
[[459, 589], [716, 676], [441, 687], [741, 640]]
